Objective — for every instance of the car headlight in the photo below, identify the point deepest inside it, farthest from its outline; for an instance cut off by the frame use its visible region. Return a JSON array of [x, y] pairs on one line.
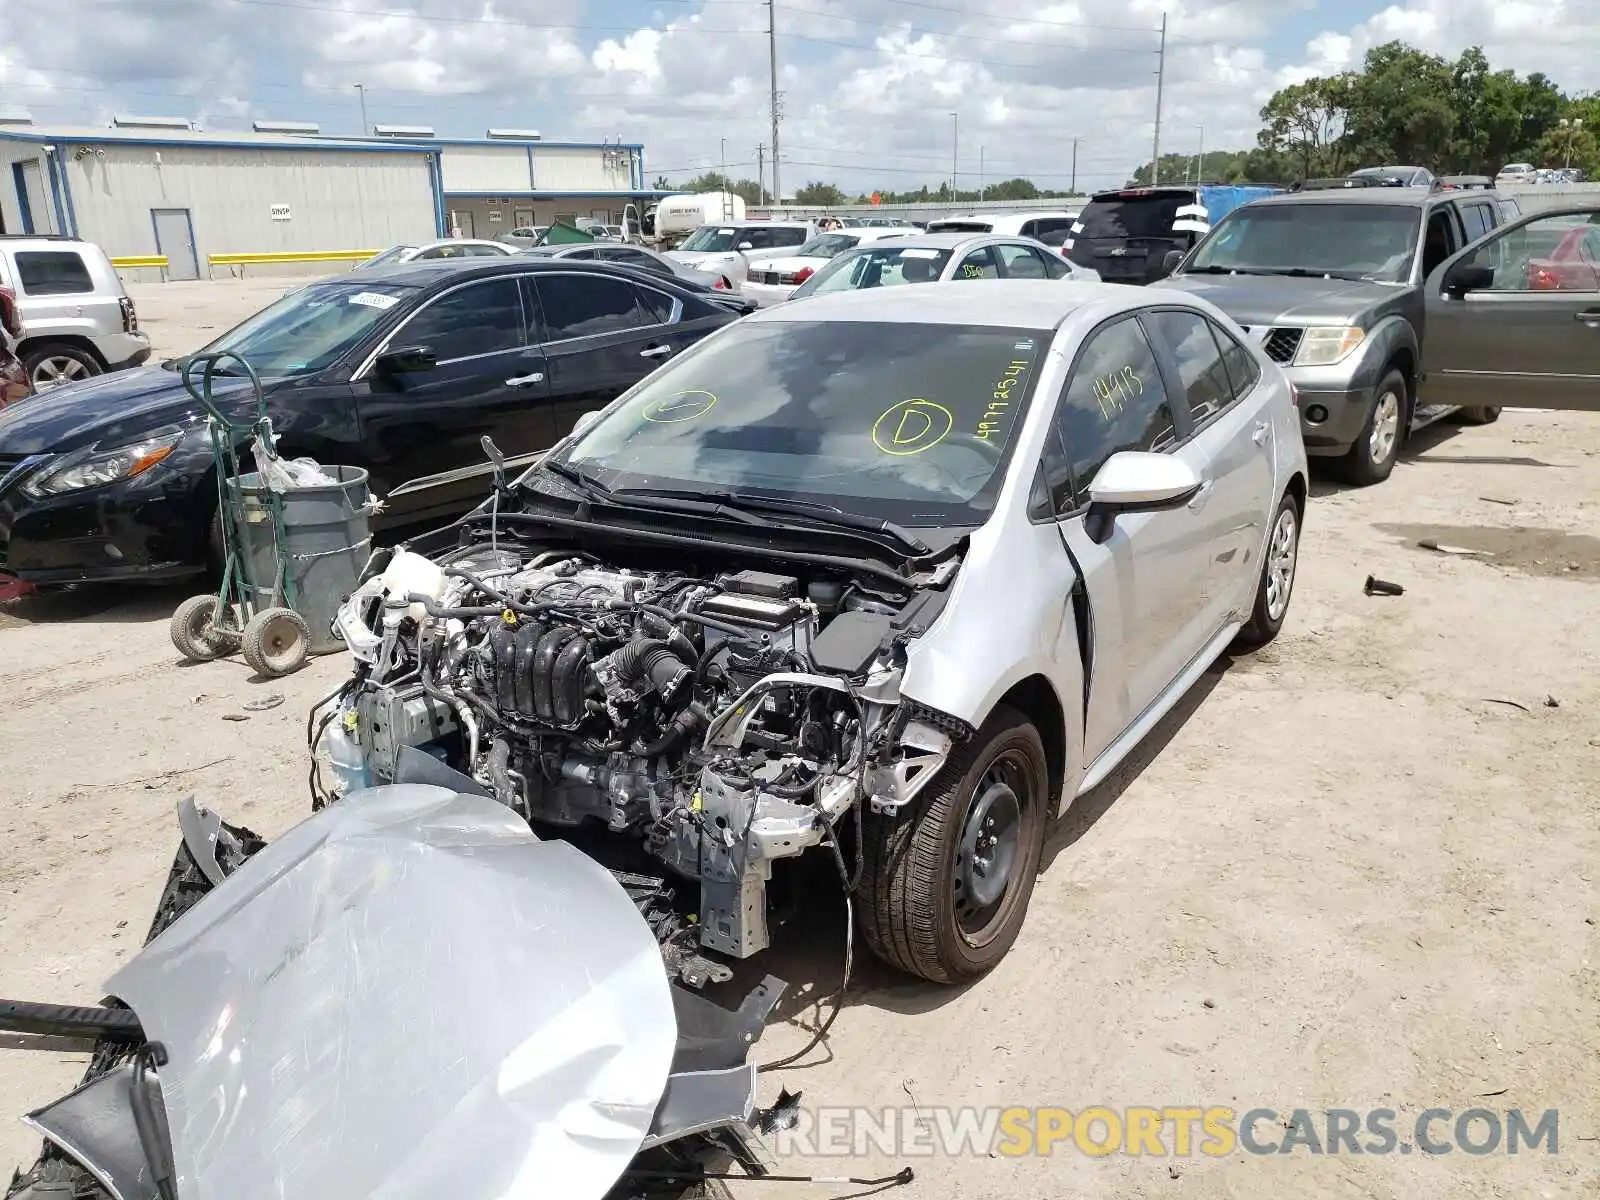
[[1325, 346], [94, 467]]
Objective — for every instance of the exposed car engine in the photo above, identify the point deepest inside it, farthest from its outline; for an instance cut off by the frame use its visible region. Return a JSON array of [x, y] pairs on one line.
[[719, 721]]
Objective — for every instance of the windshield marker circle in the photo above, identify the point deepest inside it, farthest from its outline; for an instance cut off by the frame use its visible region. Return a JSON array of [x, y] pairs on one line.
[[685, 406], [912, 426]]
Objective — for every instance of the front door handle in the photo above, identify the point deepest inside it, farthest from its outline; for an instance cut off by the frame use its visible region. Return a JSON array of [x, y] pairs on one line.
[[525, 380], [1259, 435], [1590, 317], [655, 352]]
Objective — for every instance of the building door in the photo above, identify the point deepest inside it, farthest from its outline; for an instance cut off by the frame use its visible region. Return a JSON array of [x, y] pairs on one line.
[[175, 239], [462, 224], [521, 218], [37, 215]]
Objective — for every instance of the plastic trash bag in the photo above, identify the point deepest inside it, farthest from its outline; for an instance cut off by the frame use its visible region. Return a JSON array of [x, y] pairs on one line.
[[286, 474]]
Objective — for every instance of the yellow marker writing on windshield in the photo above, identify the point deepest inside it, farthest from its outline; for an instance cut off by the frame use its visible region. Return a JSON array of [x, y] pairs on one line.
[[685, 406], [911, 427], [990, 421]]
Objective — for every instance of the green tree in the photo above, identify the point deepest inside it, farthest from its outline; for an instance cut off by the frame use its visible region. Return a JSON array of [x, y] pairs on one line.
[[1304, 124], [820, 195], [714, 181], [1402, 109], [1012, 189]]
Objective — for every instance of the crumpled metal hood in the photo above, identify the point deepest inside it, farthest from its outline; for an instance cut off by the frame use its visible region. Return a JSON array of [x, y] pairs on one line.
[[407, 997]]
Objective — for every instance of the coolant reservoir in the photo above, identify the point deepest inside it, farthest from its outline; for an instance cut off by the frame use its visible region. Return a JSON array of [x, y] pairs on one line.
[[411, 574]]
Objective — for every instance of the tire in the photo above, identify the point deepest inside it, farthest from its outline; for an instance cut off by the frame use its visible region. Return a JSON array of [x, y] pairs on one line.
[[52, 364], [277, 642], [1276, 586], [1484, 414], [1371, 460], [918, 884], [195, 634]]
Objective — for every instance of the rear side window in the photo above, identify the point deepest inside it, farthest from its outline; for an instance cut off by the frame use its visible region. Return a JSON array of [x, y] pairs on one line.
[[657, 304], [585, 305], [1510, 210], [1244, 372], [768, 239], [1041, 226], [980, 264], [1115, 401], [1200, 367], [1022, 262], [1477, 219], [53, 273]]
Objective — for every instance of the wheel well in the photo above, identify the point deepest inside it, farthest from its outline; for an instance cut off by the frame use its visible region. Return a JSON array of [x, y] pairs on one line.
[[29, 344], [1297, 489], [1405, 362], [1035, 699]]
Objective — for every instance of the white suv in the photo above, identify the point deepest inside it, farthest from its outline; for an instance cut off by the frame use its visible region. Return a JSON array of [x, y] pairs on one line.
[[77, 320]]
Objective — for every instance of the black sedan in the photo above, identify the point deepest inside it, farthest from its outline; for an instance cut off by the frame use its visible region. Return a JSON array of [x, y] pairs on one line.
[[399, 370]]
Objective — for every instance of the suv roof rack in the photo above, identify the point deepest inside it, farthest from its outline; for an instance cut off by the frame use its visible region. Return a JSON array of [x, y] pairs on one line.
[[1324, 185]]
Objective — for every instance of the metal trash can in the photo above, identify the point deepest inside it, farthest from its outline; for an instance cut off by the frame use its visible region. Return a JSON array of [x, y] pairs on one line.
[[328, 539]]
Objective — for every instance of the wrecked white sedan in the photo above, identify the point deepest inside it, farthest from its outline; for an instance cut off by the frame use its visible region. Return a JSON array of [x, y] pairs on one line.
[[893, 574]]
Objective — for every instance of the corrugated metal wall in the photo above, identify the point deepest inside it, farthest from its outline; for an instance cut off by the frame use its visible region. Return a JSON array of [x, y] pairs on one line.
[[337, 200], [486, 169], [472, 214], [556, 170], [41, 200]]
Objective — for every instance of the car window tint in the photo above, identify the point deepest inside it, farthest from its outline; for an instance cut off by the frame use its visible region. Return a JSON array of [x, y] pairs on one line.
[[585, 305], [1440, 241], [53, 272], [657, 304], [1477, 220], [1114, 401], [1200, 367], [980, 264], [1022, 262], [1548, 254], [1056, 267], [1244, 372], [481, 318]]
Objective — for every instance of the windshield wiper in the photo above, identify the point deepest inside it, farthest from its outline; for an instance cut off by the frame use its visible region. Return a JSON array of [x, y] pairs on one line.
[[1211, 270], [828, 514], [597, 492]]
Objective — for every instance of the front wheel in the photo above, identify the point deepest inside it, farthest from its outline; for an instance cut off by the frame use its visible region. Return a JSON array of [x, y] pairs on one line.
[[1277, 577], [1371, 460], [948, 879], [56, 364]]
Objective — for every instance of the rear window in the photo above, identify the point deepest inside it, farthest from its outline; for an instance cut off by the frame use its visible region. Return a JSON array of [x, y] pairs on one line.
[[53, 273], [959, 227], [1132, 216]]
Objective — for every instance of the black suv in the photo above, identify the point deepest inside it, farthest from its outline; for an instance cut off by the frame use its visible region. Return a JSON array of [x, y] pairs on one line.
[[400, 370], [1330, 281]]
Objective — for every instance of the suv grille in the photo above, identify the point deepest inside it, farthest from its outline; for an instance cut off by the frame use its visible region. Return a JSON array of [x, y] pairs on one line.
[[1281, 344]]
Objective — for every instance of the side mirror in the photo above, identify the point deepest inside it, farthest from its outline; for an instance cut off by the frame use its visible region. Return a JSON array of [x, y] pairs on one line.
[[406, 360], [746, 246], [1137, 481], [1169, 264], [1467, 277], [585, 420]]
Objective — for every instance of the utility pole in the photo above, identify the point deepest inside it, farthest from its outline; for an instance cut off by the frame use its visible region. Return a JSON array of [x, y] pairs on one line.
[[1161, 78], [362, 92], [1074, 188], [761, 172], [772, 59], [727, 184], [1200, 159], [980, 174], [955, 151]]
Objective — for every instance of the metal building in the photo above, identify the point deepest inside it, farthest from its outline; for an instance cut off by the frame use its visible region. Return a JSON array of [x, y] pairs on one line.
[[283, 198]]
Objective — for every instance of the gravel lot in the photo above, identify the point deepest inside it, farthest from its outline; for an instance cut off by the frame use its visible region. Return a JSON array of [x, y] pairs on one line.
[[1357, 870]]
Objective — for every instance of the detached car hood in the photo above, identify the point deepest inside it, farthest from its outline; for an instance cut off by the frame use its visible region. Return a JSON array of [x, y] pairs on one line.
[[102, 409], [407, 996], [1263, 300]]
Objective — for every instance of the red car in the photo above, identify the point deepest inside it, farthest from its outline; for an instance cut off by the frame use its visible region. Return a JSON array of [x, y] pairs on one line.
[[14, 383], [1573, 266]]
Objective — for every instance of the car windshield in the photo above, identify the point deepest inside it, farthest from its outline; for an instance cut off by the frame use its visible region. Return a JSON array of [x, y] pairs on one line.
[[911, 423], [879, 265], [309, 329], [1367, 241], [392, 255], [711, 239], [828, 245]]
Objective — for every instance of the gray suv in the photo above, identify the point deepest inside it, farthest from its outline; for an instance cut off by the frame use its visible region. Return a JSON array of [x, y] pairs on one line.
[[77, 320], [1329, 282]]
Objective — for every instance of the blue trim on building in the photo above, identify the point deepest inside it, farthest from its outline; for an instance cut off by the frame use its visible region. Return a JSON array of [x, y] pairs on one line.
[[438, 141], [207, 143], [66, 191], [19, 180], [441, 219], [55, 195]]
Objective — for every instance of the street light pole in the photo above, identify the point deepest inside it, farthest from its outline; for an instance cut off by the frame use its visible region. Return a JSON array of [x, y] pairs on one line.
[[980, 174], [955, 151], [1200, 159], [362, 92], [727, 198]]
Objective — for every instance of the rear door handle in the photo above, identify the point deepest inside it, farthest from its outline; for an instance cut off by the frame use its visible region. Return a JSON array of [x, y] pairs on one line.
[[655, 352], [525, 380], [1259, 435]]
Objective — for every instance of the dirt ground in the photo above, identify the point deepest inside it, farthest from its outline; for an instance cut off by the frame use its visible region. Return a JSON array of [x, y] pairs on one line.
[[1357, 870]]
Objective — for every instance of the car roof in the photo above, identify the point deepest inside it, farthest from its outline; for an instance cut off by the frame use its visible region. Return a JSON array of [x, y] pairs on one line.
[[430, 271], [1408, 197], [1006, 303], [944, 241]]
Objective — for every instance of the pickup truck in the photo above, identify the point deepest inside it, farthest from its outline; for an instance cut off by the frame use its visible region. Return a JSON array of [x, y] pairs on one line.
[[1391, 308]]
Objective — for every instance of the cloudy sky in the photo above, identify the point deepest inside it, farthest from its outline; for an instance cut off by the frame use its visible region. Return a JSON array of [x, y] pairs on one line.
[[868, 86]]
